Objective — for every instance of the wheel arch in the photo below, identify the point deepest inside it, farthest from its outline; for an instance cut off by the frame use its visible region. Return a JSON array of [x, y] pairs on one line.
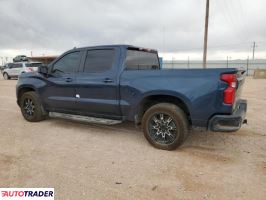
[[22, 90], [154, 99], [5, 73]]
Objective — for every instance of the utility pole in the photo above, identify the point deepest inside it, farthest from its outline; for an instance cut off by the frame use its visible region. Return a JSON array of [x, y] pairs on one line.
[[206, 34], [227, 61], [247, 64], [254, 48], [172, 62], [164, 39]]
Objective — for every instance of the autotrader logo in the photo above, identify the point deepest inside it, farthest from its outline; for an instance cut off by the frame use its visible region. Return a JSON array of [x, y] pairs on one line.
[[27, 193]]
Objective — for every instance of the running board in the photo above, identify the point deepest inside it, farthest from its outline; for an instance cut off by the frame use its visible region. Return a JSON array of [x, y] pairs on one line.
[[84, 118]]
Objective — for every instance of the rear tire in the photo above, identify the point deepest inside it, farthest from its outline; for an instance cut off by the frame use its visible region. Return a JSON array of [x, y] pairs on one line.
[[165, 126], [6, 77], [31, 107]]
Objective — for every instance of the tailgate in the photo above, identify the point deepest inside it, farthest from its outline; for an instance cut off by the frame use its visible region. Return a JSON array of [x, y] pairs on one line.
[[241, 75]]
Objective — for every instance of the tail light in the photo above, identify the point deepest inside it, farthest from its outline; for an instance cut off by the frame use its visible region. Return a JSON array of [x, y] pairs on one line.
[[30, 69], [230, 91]]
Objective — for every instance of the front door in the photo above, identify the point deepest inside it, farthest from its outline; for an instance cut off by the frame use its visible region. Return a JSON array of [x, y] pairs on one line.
[[59, 94], [98, 85], [11, 69]]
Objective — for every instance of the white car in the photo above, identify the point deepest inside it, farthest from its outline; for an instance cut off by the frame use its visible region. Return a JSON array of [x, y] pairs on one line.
[[15, 69]]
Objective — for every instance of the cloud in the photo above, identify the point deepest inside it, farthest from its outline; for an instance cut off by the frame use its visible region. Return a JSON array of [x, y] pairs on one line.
[[169, 26]]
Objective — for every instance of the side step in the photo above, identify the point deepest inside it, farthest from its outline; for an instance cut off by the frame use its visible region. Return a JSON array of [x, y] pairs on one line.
[[84, 118]]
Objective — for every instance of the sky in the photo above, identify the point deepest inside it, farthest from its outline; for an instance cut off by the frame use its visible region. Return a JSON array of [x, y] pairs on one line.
[[174, 27]]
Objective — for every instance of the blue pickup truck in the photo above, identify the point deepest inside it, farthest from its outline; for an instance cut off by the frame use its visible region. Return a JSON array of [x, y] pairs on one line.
[[116, 83]]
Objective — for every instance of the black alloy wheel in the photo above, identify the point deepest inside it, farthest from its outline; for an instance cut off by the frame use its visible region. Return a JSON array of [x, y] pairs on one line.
[[165, 126], [162, 128]]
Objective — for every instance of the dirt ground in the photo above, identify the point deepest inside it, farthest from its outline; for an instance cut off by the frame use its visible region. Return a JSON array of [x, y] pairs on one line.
[[84, 161]]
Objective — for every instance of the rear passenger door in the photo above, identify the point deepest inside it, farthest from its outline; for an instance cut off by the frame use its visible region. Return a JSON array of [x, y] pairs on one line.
[[16, 69], [97, 83]]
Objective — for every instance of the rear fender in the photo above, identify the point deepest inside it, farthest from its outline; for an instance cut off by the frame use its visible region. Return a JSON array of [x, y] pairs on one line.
[[137, 110]]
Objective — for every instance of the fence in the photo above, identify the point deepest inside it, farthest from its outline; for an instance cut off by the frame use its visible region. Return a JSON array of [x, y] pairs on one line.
[[5, 59], [248, 65]]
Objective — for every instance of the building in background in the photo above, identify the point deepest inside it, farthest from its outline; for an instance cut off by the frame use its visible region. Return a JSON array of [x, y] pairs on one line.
[[44, 59]]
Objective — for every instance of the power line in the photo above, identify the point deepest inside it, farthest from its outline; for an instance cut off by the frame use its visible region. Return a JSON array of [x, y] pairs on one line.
[[236, 19], [228, 8], [216, 46]]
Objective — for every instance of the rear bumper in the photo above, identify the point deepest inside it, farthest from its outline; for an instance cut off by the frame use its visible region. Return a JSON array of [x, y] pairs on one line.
[[229, 123]]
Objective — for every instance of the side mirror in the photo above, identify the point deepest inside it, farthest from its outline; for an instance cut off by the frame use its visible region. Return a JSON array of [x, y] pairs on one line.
[[43, 70]]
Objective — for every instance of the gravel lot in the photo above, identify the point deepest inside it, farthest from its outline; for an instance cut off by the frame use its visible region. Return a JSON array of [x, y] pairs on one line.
[[84, 161]]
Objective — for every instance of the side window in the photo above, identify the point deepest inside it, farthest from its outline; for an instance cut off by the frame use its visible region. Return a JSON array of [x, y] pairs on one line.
[[11, 66], [98, 61], [141, 60], [17, 65], [67, 64]]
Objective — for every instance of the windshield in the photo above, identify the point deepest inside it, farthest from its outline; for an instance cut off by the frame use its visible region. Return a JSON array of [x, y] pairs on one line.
[[33, 64]]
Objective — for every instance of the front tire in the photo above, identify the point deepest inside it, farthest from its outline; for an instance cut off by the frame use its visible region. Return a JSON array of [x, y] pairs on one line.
[[31, 107], [165, 126]]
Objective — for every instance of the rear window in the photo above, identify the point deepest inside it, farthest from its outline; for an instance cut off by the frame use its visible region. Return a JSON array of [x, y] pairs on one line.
[[141, 60], [98, 61], [33, 64]]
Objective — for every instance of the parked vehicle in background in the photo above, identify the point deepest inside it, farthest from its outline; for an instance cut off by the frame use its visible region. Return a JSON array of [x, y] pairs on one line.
[[13, 70], [111, 84], [20, 58], [5, 66]]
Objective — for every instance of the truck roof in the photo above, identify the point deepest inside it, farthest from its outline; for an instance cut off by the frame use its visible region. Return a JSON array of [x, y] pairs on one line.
[[126, 46]]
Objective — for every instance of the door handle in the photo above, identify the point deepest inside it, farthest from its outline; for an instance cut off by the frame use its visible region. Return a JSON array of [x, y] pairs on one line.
[[68, 79], [108, 80]]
